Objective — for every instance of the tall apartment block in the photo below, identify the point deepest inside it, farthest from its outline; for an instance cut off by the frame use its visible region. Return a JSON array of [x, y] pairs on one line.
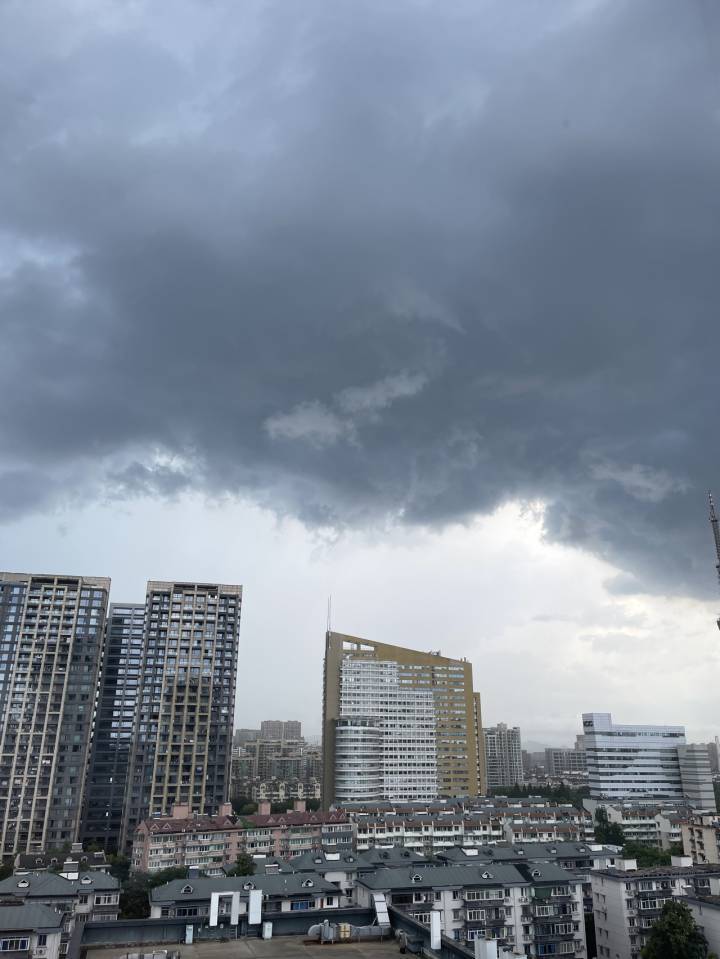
[[51, 641], [645, 762], [503, 756], [182, 739], [117, 707], [398, 723], [279, 729]]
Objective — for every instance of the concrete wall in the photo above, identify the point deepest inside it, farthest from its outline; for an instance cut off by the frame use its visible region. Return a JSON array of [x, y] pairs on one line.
[[135, 932]]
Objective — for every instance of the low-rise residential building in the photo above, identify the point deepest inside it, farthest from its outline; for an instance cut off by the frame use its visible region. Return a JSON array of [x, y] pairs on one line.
[[284, 892], [537, 908], [579, 859], [210, 843], [432, 827], [91, 896], [658, 825], [706, 913], [29, 930], [701, 838], [69, 866], [627, 901]]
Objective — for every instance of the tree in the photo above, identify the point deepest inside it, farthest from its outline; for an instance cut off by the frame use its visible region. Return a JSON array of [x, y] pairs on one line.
[[244, 866], [134, 900], [675, 935], [120, 868], [646, 856], [606, 832]]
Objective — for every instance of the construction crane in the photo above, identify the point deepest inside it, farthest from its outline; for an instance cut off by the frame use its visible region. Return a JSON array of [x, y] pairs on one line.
[[716, 536]]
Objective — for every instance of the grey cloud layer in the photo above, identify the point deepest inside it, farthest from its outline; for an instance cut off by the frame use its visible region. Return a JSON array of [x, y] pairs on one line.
[[364, 260]]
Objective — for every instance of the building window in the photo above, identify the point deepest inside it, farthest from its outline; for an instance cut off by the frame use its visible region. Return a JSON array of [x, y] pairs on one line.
[[14, 945]]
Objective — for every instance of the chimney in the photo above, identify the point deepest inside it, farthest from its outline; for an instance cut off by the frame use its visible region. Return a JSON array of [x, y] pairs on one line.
[[264, 807], [299, 805], [225, 809], [180, 811]]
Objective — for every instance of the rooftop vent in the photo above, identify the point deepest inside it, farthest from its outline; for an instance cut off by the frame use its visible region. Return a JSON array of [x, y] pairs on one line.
[[186, 889], [23, 884], [486, 875], [248, 885], [86, 880], [307, 883], [416, 878]]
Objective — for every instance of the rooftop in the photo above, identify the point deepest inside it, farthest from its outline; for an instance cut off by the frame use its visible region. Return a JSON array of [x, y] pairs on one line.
[[698, 869], [279, 947], [40, 884], [454, 876], [27, 917], [289, 884]]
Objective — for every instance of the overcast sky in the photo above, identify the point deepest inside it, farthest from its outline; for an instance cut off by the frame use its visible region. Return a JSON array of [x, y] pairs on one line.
[[413, 303]]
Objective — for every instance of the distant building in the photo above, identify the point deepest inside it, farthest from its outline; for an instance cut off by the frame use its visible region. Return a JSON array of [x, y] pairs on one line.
[[701, 838], [696, 777], [639, 762], [441, 825], [503, 756], [564, 762], [242, 736], [209, 843], [280, 729], [398, 723]]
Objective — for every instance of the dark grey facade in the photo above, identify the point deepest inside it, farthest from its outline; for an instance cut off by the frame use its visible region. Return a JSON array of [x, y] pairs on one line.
[[118, 701], [51, 630], [182, 738]]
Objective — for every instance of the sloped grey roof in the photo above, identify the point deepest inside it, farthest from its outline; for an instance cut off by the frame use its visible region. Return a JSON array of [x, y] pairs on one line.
[[40, 884], [456, 875], [288, 884], [28, 917]]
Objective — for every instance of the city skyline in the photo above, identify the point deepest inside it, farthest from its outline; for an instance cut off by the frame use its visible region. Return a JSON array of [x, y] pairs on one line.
[[512, 706]]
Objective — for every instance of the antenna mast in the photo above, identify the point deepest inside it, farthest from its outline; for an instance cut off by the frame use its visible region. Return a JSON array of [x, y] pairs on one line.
[[716, 536]]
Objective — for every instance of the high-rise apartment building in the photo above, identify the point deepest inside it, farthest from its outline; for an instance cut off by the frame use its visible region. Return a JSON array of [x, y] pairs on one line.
[[118, 701], [385, 739], [396, 718], [630, 762], [182, 737], [503, 756], [696, 777], [280, 729], [51, 641], [561, 762]]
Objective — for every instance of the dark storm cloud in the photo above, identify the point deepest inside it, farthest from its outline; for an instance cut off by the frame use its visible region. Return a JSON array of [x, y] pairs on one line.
[[366, 260]]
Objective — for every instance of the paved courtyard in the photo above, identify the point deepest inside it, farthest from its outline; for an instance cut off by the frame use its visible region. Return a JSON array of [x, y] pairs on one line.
[[282, 947]]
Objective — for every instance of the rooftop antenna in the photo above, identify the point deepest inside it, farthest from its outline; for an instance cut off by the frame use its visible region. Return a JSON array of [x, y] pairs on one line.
[[329, 612], [716, 537]]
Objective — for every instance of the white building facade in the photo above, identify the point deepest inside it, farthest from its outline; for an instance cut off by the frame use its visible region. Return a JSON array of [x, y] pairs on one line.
[[628, 761], [385, 745], [503, 756]]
